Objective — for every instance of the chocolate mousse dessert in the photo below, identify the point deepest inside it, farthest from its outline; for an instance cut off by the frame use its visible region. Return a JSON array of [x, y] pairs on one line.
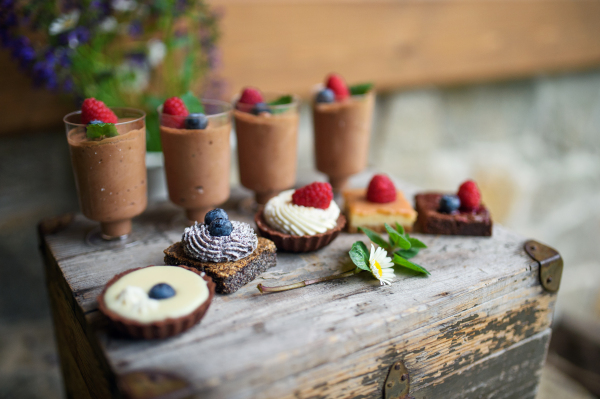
[[461, 214], [108, 154], [229, 252], [197, 153], [267, 141], [342, 119], [301, 220]]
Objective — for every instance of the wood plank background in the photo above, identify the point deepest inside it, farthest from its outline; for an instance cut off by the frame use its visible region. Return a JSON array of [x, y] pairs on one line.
[[290, 45]]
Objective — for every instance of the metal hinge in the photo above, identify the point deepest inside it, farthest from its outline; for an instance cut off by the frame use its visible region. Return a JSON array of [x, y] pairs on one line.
[[397, 383], [551, 264]]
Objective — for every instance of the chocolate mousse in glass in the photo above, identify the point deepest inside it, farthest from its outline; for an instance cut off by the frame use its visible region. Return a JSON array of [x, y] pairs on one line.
[[267, 142], [110, 172], [342, 129], [197, 158]]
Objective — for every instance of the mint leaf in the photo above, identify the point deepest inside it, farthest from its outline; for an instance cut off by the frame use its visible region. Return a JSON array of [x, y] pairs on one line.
[[282, 100], [415, 243], [400, 261], [360, 89], [400, 229], [376, 238], [360, 255], [408, 253], [192, 103], [101, 130], [396, 238]]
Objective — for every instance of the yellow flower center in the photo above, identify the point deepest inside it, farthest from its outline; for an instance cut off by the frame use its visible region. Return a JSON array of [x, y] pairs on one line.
[[378, 267]]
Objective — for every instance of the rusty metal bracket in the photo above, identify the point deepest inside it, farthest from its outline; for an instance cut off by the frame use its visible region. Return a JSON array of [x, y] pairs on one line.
[[397, 383], [550, 261]]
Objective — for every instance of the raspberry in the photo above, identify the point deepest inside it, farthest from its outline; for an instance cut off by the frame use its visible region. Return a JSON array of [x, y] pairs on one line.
[[381, 189], [251, 96], [469, 195], [316, 195], [93, 109], [175, 106], [336, 83]]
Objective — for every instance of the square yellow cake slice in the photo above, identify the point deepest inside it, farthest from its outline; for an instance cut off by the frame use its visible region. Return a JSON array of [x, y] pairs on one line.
[[362, 213]]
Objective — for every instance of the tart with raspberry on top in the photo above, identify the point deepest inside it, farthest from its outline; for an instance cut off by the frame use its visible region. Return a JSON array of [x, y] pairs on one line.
[[301, 220], [461, 214], [380, 203]]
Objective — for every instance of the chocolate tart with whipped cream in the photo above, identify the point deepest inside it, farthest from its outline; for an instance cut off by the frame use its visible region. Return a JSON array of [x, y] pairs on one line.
[[231, 260], [295, 228], [128, 301]]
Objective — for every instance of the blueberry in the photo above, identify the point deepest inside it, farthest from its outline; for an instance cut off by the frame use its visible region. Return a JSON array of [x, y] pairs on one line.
[[259, 108], [326, 96], [95, 122], [220, 228], [196, 121], [449, 203], [216, 213], [161, 291]]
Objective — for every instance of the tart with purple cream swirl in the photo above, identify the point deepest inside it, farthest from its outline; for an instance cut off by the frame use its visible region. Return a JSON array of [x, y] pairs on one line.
[[229, 252]]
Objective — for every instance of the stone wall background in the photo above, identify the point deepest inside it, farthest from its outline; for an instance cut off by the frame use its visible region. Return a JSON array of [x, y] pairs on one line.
[[532, 145]]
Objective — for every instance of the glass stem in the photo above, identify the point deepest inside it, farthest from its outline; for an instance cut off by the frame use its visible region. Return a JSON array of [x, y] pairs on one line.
[[304, 283]]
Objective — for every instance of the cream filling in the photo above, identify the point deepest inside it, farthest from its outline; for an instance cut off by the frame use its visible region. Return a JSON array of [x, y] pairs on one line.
[[128, 296], [282, 215]]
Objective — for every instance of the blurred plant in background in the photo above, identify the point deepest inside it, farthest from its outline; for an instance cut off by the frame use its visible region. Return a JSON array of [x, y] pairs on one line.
[[131, 53]]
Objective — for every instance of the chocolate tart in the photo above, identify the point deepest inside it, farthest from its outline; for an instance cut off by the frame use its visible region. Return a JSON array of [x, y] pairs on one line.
[[158, 329], [228, 276], [430, 221], [291, 243]]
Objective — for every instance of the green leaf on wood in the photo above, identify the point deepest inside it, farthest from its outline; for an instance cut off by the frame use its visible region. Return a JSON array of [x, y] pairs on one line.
[[408, 253], [400, 229], [192, 103], [360, 89], [397, 239], [374, 237], [400, 261], [360, 255], [415, 243]]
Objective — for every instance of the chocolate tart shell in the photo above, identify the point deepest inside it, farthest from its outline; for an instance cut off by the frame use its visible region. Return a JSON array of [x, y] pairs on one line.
[[158, 329], [291, 243]]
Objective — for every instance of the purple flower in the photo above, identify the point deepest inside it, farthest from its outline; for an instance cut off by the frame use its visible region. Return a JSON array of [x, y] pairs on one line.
[[9, 20], [22, 51], [63, 57], [136, 58], [82, 34], [136, 28], [44, 75], [67, 85]]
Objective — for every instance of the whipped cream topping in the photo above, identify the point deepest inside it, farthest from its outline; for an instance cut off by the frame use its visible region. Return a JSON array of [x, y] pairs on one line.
[[199, 244], [282, 215], [135, 300]]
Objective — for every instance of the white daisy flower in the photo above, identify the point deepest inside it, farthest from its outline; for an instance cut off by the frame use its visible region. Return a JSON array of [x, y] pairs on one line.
[[108, 24], [156, 52], [64, 23], [381, 265]]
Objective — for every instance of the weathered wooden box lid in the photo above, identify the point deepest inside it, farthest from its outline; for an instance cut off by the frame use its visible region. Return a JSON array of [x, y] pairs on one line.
[[477, 327]]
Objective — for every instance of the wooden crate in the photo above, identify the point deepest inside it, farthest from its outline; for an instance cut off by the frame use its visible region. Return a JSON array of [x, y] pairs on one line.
[[478, 327]]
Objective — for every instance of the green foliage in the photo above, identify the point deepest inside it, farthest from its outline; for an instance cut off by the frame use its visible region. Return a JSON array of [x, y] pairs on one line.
[[409, 247], [360, 89], [101, 130]]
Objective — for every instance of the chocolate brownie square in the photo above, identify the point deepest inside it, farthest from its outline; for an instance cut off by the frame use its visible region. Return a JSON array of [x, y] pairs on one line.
[[430, 221]]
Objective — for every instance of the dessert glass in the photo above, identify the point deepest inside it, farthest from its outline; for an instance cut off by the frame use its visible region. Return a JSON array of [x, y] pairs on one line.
[[110, 173], [342, 132], [198, 161], [267, 147]]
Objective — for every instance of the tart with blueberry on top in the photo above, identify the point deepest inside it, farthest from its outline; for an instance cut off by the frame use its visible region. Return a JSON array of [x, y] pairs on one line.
[[301, 220], [462, 213], [229, 252], [377, 205], [156, 301]]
